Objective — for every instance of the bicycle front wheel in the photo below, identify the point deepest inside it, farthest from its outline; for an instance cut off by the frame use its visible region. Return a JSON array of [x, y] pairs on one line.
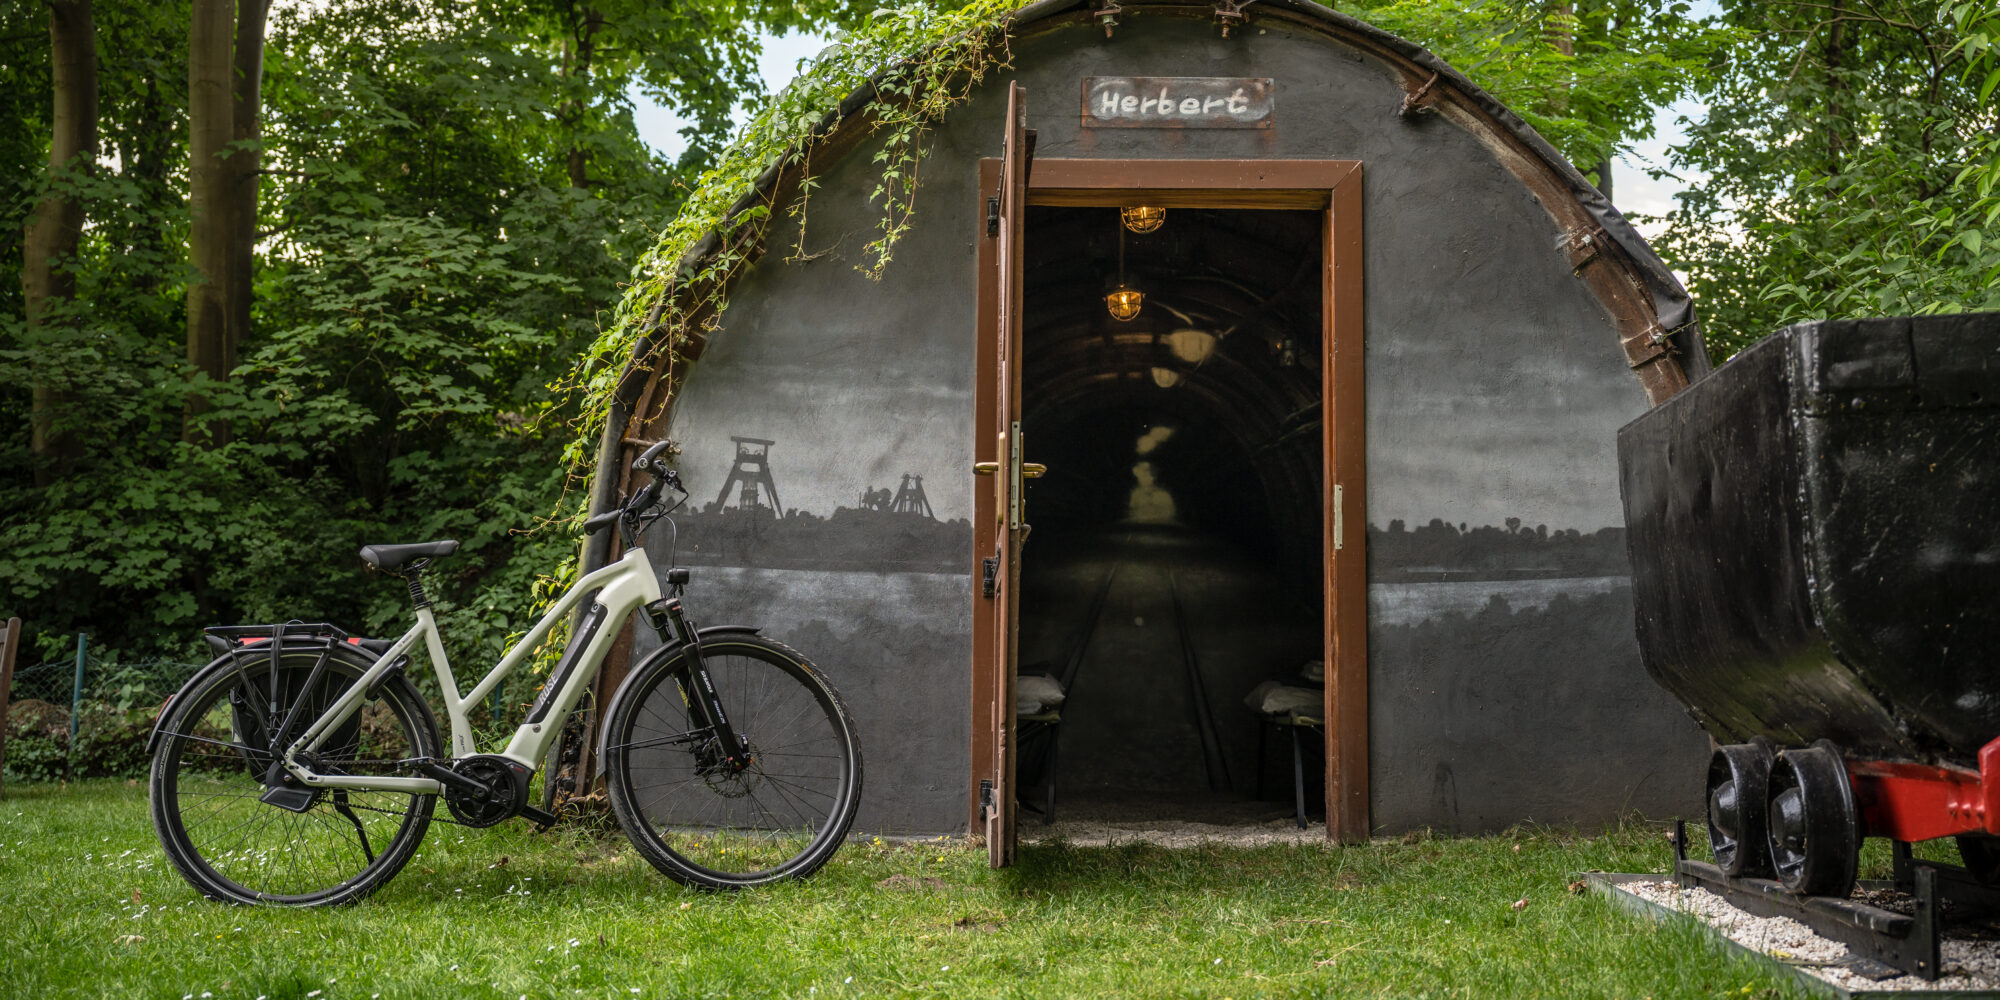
[[705, 824], [237, 831]]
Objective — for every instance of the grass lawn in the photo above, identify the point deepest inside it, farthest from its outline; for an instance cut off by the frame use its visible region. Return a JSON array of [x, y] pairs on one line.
[[89, 907]]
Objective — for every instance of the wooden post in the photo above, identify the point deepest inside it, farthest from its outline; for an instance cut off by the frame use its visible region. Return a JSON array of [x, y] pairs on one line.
[[10, 643]]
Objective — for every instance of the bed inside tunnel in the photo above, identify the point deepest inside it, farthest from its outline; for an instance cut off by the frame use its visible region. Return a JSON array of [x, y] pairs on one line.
[[1175, 562]]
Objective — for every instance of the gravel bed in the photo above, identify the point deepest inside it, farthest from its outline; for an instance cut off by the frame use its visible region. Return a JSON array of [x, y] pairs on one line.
[[1970, 962]]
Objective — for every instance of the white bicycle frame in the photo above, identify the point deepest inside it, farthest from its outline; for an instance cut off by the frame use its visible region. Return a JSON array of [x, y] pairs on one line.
[[623, 587]]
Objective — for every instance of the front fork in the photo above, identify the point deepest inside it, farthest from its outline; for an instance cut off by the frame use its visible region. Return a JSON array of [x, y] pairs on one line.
[[704, 708]]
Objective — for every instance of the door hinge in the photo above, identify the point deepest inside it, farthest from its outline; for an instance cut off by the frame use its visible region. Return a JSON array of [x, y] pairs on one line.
[[986, 797], [993, 216], [989, 574]]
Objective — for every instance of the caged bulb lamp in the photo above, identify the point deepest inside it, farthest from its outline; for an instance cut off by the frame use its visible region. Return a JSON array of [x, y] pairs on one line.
[[1124, 302], [1142, 218]]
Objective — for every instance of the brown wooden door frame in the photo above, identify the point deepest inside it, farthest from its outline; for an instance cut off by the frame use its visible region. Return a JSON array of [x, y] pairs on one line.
[[1332, 187]]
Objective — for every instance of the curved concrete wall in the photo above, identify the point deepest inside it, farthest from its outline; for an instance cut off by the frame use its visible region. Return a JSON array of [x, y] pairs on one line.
[[1495, 386]]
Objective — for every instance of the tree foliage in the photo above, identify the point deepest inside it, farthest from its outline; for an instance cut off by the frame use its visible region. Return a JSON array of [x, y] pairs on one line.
[[454, 205], [1588, 77], [426, 265], [1849, 150]]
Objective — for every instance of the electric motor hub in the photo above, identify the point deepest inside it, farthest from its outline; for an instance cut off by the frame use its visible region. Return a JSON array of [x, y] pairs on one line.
[[508, 784]]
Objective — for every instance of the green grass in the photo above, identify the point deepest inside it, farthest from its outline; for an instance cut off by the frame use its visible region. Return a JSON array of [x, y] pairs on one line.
[[89, 907]]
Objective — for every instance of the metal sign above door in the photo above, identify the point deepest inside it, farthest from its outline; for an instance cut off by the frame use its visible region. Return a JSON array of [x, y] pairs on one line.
[[1177, 102]]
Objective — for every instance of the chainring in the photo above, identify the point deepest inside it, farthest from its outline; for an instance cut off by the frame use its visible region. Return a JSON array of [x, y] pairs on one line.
[[507, 779]]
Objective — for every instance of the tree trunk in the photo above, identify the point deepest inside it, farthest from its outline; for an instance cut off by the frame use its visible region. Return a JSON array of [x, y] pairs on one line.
[[244, 163], [586, 49], [1836, 123], [211, 123], [49, 244], [225, 79], [146, 150]]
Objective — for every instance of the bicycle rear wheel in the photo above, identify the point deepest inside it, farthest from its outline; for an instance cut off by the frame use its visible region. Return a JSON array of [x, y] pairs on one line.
[[214, 757], [698, 821]]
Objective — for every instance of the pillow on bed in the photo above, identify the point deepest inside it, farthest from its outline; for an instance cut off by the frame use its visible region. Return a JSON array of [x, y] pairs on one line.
[[1036, 693], [1273, 698]]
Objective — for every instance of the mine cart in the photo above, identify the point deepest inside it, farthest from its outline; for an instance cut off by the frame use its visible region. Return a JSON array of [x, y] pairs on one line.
[[1815, 541]]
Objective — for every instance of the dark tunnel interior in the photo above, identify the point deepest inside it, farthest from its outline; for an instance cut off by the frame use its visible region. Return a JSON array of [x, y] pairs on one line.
[[1175, 560]]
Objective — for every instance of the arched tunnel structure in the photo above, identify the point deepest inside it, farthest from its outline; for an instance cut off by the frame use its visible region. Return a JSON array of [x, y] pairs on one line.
[[1365, 415]]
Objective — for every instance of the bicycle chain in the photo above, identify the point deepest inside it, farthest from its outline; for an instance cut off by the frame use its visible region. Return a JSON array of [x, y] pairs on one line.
[[435, 818]]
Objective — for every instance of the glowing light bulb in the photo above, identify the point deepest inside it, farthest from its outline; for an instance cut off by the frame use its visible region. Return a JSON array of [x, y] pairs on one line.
[[1124, 301], [1142, 218]]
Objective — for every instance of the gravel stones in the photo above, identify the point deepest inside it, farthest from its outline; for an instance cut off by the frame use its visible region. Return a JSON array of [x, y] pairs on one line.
[[1970, 962]]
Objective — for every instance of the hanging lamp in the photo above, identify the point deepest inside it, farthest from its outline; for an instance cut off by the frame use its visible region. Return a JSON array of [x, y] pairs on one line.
[[1123, 301], [1142, 218]]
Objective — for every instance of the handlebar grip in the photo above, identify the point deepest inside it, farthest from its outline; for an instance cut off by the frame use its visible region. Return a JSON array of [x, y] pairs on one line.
[[650, 461], [602, 521]]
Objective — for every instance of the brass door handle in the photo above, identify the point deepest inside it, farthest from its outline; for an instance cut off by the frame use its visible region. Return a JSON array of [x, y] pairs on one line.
[[985, 468], [1033, 470]]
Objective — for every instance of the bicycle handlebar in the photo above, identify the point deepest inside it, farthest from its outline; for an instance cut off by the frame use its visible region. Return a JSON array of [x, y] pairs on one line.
[[653, 464], [650, 462]]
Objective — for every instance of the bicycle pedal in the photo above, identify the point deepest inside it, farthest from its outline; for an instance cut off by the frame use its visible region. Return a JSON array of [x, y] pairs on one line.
[[541, 818]]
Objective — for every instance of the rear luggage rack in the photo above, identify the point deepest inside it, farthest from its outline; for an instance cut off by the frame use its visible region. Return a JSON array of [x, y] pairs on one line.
[[237, 635]]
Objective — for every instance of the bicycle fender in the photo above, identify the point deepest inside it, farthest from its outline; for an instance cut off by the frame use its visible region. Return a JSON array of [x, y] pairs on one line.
[[354, 655]]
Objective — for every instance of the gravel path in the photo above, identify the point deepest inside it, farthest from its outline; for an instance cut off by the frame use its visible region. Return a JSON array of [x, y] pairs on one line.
[[1970, 964], [1096, 818]]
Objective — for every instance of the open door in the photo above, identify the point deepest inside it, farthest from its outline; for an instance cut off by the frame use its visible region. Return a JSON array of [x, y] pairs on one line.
[[1000, 585]]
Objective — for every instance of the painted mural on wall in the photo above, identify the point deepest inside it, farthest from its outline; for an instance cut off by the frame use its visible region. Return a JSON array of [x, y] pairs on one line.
[[887, 528], [830, 506]]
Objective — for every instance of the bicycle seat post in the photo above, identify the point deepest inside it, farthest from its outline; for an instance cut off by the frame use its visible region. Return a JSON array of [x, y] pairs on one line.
[[415, 575]]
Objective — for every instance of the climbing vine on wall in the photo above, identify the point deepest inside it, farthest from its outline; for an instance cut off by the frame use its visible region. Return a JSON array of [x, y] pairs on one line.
[[914, 62]]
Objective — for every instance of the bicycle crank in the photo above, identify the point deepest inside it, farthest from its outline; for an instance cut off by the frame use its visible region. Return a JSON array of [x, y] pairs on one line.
[[486, 789], [490, 789]]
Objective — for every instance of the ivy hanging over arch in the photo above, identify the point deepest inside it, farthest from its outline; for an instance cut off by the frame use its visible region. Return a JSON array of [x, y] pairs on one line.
[[898, 75]]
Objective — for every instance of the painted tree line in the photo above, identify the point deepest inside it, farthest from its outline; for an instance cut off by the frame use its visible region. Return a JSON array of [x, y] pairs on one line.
[[298, 278]]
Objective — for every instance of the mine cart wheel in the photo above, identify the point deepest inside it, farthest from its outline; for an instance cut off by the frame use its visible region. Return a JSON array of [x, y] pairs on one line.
[[1815, 841], [1981, 857], [1738, 790]]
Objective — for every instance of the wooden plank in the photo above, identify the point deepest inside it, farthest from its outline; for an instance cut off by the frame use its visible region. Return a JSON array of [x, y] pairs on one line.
[[1217, 176], [1250, 198], [1345, 436], [986, 371], [10, 644]]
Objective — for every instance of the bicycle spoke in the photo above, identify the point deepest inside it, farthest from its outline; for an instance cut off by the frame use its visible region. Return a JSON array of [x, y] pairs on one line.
[[234, 845]]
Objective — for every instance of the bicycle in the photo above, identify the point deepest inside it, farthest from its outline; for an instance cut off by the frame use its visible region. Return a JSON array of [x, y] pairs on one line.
[[302, 767]]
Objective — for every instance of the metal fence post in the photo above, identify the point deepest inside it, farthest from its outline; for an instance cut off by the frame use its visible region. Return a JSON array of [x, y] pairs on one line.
[[76, 695]]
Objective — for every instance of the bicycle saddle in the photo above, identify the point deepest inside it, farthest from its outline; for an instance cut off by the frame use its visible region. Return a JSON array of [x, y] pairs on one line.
[[392, 556]]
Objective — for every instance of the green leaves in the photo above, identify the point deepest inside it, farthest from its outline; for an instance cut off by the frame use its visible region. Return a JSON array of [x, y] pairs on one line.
[[427, 267], [1851, 162], [920, 59], [1586, 77]]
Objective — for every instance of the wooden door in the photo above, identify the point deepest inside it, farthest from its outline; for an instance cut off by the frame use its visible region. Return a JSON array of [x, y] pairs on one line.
[[1001, 587]]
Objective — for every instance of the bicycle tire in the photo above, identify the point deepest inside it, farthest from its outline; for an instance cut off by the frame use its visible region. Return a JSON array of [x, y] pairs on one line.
[[207, 775], [783, 816]]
